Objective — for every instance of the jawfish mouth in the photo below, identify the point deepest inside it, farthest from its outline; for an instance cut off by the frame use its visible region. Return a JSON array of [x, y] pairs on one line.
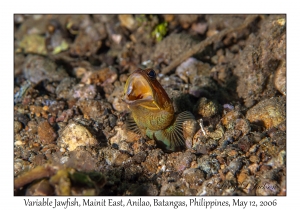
[[137, 90]]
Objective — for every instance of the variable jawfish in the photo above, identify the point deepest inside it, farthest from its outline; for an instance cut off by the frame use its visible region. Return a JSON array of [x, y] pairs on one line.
[[153, 112]]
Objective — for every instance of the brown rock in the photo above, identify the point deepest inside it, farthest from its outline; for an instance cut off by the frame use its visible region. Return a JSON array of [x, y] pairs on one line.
[[242, 176], [229, 119], [46, 133], [103, 76], [243, 125], [92, 108], [271, 112], [254, 159], [121, 159], [232, 153], [17, 126], [152, 160], [127, 21], [194, 177]]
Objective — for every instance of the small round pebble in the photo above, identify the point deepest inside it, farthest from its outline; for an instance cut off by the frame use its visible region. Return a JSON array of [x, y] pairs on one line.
[[46, 133], [17, 126], [206, 107], [75, 135]]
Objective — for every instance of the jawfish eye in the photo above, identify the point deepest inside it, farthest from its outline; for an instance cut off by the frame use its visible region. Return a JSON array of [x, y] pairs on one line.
[[152, 74]]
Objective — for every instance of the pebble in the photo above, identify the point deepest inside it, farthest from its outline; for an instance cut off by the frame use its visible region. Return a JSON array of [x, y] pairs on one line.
[[81, 91], [230, 118], [242, 176], [18, 137], [243, 125], [38, 68], [127, 21], [253, 148], [124, 147], [139, 157], [267, 149], [199, 27], [217, 133], [282, 157], [189, 128], [199, 143], [169, 17], [187, 20], [133, 172], [283, 186], [101, 77], [235, 165], [19, 166], [120, 136], [279, 138], [209, 165], [209, 187], [115, 157], [22, 118], [271, 112], [264, 168], [17, 126], [62, 150], [63, 89], [119, 105], [257, 136], [65, 116], [122, 159], [92, 108], [46, 133], [279, 161], [206, 107], [19, 143], [75, 135], [33, 43], [232, 153], [254, 159], [152, 160], [244, 143], [282, 126], [194, 177], [248, 185], [180, 161]]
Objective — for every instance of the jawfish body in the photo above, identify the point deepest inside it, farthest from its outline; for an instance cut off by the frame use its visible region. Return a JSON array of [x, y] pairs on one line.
[[153, 111]]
